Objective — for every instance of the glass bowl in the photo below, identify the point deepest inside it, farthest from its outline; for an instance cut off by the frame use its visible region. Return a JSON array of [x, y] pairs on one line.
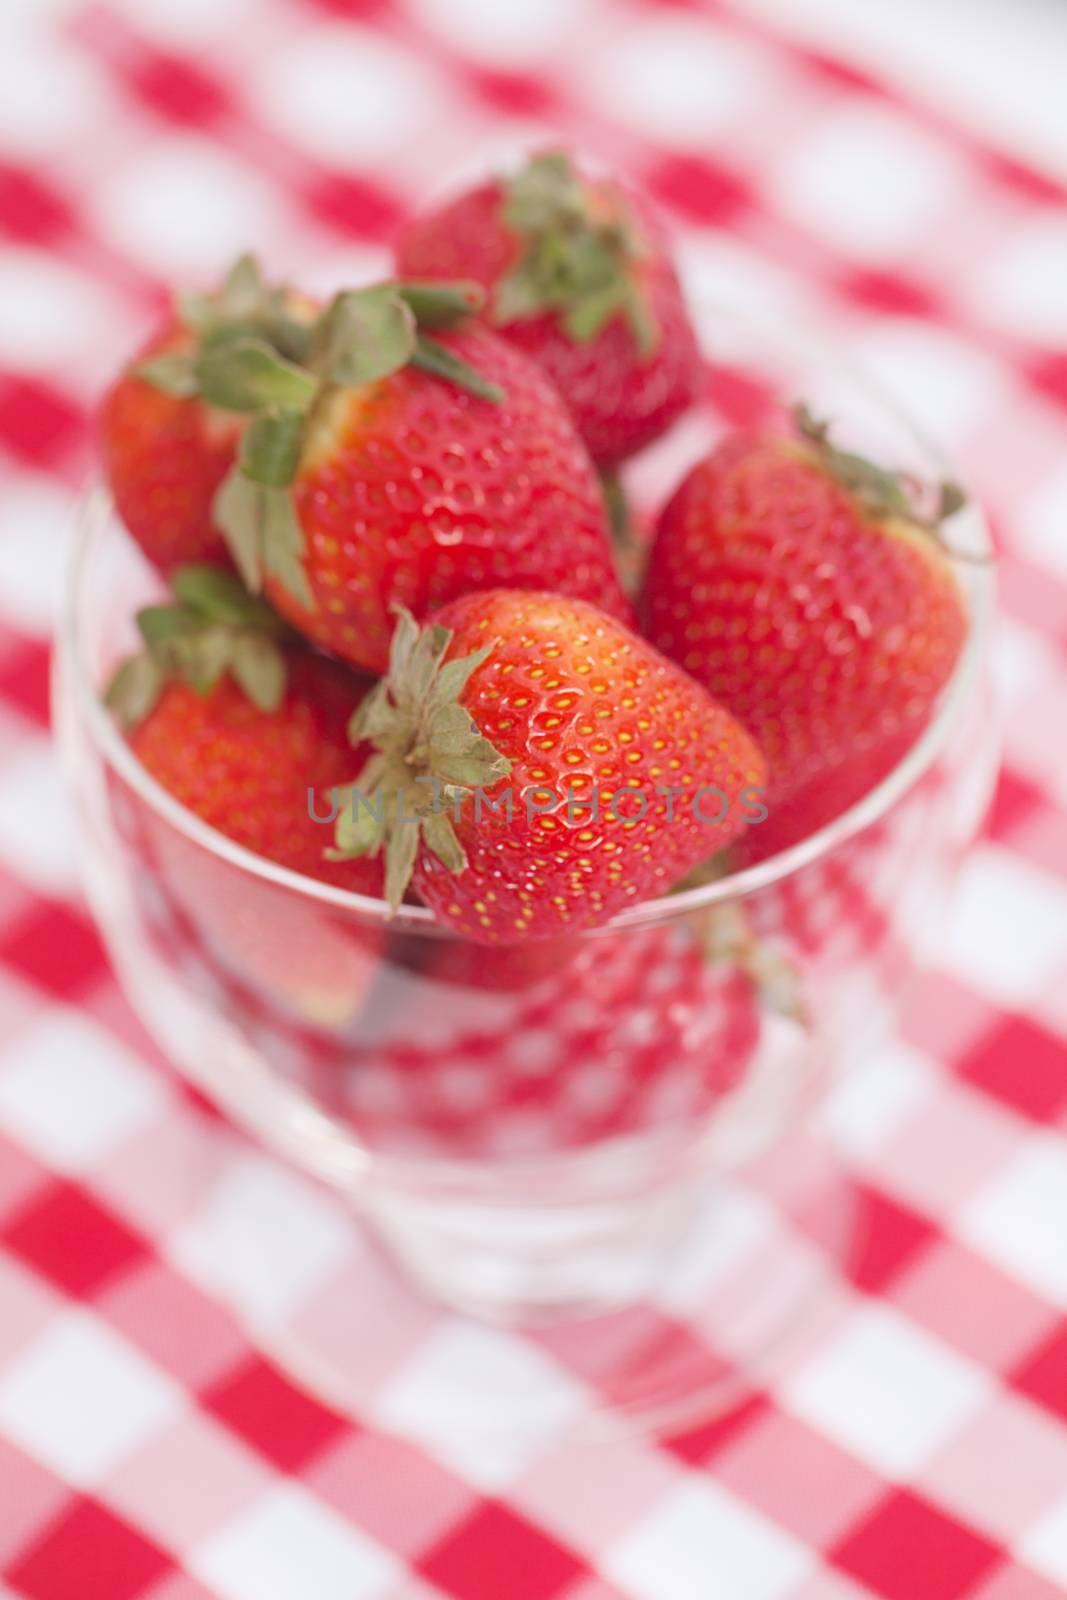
[[543, 1133]]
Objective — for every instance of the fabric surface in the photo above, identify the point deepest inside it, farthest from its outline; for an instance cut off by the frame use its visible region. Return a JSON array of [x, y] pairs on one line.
[[150, 1449]]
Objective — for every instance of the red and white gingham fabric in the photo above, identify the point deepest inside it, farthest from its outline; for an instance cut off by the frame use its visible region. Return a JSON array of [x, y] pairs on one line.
[[916, 1449]]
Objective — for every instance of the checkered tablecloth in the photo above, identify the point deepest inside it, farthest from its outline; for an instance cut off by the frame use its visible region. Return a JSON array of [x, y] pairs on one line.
[[150, 1449]]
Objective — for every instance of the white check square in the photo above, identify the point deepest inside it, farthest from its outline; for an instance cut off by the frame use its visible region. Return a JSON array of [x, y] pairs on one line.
[[824, 181], [886, 1391], [305, 91], [1044, 1545], [71, 1093], [480, 1400], [869, 1104], [36, 822], [1008, 931], [702, 1542], [81, 1399], [1040, 520], [184, 205], [1020, 285], [290, 1544], [264, 1238], [682, 79], [39, 518], [517, 34], [1020, 1217]]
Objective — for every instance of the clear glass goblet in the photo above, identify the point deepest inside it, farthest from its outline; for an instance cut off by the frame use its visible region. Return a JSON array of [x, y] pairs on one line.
[[545, 1133]]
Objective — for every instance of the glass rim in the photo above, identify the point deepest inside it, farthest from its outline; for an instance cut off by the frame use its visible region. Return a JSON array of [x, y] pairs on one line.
[[976, 580]]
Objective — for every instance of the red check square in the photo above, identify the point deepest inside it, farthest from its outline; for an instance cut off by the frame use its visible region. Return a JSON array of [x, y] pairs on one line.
[[30, 211], [24, 677], [497, 1552], [72, 1240], [88, 1543], [272, 1415], [178, 90], [909, 1550], [888, 1238], [1043, 1373], [701, 190], [354, 204], [1022, 1065], [56, 949], [37, 423]]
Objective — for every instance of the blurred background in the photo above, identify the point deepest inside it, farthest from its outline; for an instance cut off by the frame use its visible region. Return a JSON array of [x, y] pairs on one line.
[[893, 173]]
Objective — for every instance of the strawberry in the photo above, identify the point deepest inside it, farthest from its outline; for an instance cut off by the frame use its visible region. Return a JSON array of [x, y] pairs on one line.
[[502, 736], [166, 451], [810, 592], [580, 278], [394, 464], [239, 726]]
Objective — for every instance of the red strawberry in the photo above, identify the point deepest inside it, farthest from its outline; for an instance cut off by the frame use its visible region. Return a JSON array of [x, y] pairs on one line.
[[415, 492], [165, 450], [809, 592], [395, 465], [579, 278], [238, 726], [540, 704]]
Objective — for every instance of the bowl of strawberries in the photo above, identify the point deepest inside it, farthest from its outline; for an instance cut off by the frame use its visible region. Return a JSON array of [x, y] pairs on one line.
[[524, 723]]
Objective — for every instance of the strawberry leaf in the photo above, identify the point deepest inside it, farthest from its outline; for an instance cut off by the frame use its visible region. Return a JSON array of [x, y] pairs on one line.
[[453, 677], [360, 829], [429, 751], [950, 499], [158, 625], [134, 689], [590, 313], [365, 334], [373, 717], [440, 305], [237, 511], [270, 449], [580, 258], [244, 290], [201, 656], [431, 356], [439, 836], [213, 627], [881, 492], [247, 375], [259, 667], [219, 596], [401, 848], [263, 533], [174, 371]]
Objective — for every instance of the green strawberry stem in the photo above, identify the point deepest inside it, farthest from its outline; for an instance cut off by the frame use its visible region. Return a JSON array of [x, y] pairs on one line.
[[254, 356], [213, 626], [428, 752], [881, 492], [430, 356], [578, 260]]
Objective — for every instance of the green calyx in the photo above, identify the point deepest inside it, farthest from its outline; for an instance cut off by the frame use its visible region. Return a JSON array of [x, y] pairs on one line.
[[428, 755], [881, 493], [579, 259], [253, 354], [213, 627]]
